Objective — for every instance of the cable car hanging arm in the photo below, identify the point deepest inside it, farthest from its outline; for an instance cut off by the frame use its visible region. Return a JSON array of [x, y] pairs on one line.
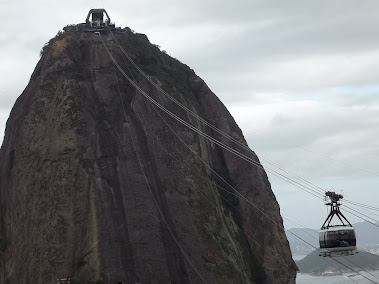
[[334, 209]]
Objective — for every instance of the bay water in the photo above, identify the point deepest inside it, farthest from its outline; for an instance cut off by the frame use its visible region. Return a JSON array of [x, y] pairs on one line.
[[339, 279]]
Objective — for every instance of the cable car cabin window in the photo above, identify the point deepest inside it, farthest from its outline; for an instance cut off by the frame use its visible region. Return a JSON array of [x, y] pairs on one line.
[[331, 238]]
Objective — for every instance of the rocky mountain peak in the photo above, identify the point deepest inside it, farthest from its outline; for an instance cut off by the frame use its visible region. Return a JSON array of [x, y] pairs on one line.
[[97, 183]]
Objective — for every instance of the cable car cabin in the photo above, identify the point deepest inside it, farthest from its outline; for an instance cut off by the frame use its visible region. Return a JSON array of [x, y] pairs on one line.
[[337, 239]]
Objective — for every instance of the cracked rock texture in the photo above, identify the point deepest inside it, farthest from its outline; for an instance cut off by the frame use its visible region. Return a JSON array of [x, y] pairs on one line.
[[97, 183]]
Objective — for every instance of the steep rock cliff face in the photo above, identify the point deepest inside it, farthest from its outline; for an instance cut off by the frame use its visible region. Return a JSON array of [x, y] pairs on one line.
[[94, 187]]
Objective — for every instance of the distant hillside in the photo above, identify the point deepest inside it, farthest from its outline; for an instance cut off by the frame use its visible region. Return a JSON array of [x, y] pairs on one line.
[[366, 234], [315, 264]]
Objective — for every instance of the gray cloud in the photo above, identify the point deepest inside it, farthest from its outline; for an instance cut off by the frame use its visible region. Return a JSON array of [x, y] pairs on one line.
[[302, 141], [271, 46]]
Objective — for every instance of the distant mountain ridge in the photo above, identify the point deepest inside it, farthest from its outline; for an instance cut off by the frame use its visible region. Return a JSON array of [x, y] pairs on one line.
[[366, 233], [317, 265]]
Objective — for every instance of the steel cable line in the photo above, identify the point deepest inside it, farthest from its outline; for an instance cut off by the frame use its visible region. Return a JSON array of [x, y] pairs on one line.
[[203, 120], [190, 126], [315, 187], [320, 190], [193, 128], [367, 211], [209, 124], [215, 141], [357, 265], [196, 130], [372, 281], [236, 141], [365, 207], [239, 143], [362, 205], [362, 214], [376, 225]]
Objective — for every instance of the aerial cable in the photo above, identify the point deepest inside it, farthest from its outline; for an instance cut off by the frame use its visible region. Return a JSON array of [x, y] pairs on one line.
[[174, 100], [368, 272], [356, 271], [321, 190], [193, 128], [244, 146], [302, 228], [212, 126], [236, 141], [362, 205], [367, 211], [215, 141], [200, 118], [180, 139], [374, 224], [244, 157], [363, 209]]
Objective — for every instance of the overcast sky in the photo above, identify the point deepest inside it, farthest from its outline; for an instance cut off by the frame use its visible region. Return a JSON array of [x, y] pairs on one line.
[[300, 77]]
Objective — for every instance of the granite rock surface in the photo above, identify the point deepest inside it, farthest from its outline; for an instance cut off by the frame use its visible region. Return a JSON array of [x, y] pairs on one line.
[[97, 183]]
